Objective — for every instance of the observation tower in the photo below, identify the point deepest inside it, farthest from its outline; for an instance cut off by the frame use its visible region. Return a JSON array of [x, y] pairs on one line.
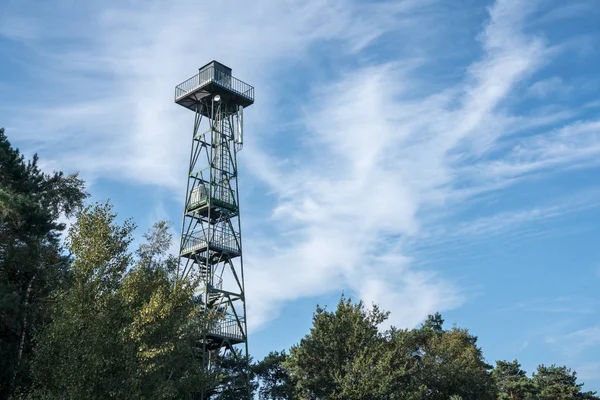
[[211, 242]]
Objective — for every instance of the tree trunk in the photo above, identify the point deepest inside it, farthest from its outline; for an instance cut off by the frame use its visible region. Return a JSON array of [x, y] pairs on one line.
[[23, 333]]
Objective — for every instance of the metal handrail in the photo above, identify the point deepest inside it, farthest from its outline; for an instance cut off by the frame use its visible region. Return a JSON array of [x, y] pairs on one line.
[[217, 282], [221, 193], [211, 74], [221, 238], [227, 328]]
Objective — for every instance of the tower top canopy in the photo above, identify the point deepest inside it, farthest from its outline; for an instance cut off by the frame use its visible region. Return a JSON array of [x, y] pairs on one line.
[[216, 65], [212, 79]]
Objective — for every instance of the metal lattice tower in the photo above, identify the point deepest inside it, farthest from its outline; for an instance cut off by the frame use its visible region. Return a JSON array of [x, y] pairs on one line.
[[211, 245]]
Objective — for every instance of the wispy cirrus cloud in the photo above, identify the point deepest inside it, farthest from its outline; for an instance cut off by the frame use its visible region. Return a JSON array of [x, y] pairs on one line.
[[568, 145], [557, 305], [517, 223], [380, 159], [114, 119], [584, 338], [120, 72], [576, 342], [550, 86], [362, 153]]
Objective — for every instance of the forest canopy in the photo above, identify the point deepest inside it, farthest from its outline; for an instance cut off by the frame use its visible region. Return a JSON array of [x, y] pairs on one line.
[[85, 316]]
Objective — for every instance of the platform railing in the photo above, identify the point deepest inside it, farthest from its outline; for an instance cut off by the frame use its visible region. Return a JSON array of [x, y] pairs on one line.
[[221, 239], [221, 194], [198, 195], [217, 282], [221, 78], [227, 328]]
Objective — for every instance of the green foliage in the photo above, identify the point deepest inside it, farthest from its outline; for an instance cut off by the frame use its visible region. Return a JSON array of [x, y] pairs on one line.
[[82, 353], [558, 383], [234, 373], [321, 363], [276, 382], [382, 372], [106, 323], [32, 268], [121, 330], [345, 356], [450, 363], [512, 382], [162, 323]]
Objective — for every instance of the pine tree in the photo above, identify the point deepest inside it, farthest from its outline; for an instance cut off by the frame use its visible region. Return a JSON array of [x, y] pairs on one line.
[[512, 382], [559, 383], [32, 266]]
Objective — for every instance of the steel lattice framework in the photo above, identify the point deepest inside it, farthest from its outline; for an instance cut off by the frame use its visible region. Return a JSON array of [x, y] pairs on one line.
[[211, 242]]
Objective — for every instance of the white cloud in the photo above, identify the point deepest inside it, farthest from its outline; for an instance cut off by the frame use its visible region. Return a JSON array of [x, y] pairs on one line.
[[583, 339], [379, 158], [577, 344], [122, 126], [546, 87], [568, 11], [556, 305], [376, 160], [519, 223], [142, 52], [567, 146]]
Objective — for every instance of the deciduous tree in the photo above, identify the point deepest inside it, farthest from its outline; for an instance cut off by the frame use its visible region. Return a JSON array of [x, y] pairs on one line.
[[123, 329], [82, 354]]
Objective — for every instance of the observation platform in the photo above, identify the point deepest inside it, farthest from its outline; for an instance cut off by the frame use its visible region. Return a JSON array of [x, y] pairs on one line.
[[227, 329], [212, 79], [221, 246], [224, 331], [220, 205]]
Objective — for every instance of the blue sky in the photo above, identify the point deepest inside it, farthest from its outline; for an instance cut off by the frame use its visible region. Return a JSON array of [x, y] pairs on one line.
[[425, 155]]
